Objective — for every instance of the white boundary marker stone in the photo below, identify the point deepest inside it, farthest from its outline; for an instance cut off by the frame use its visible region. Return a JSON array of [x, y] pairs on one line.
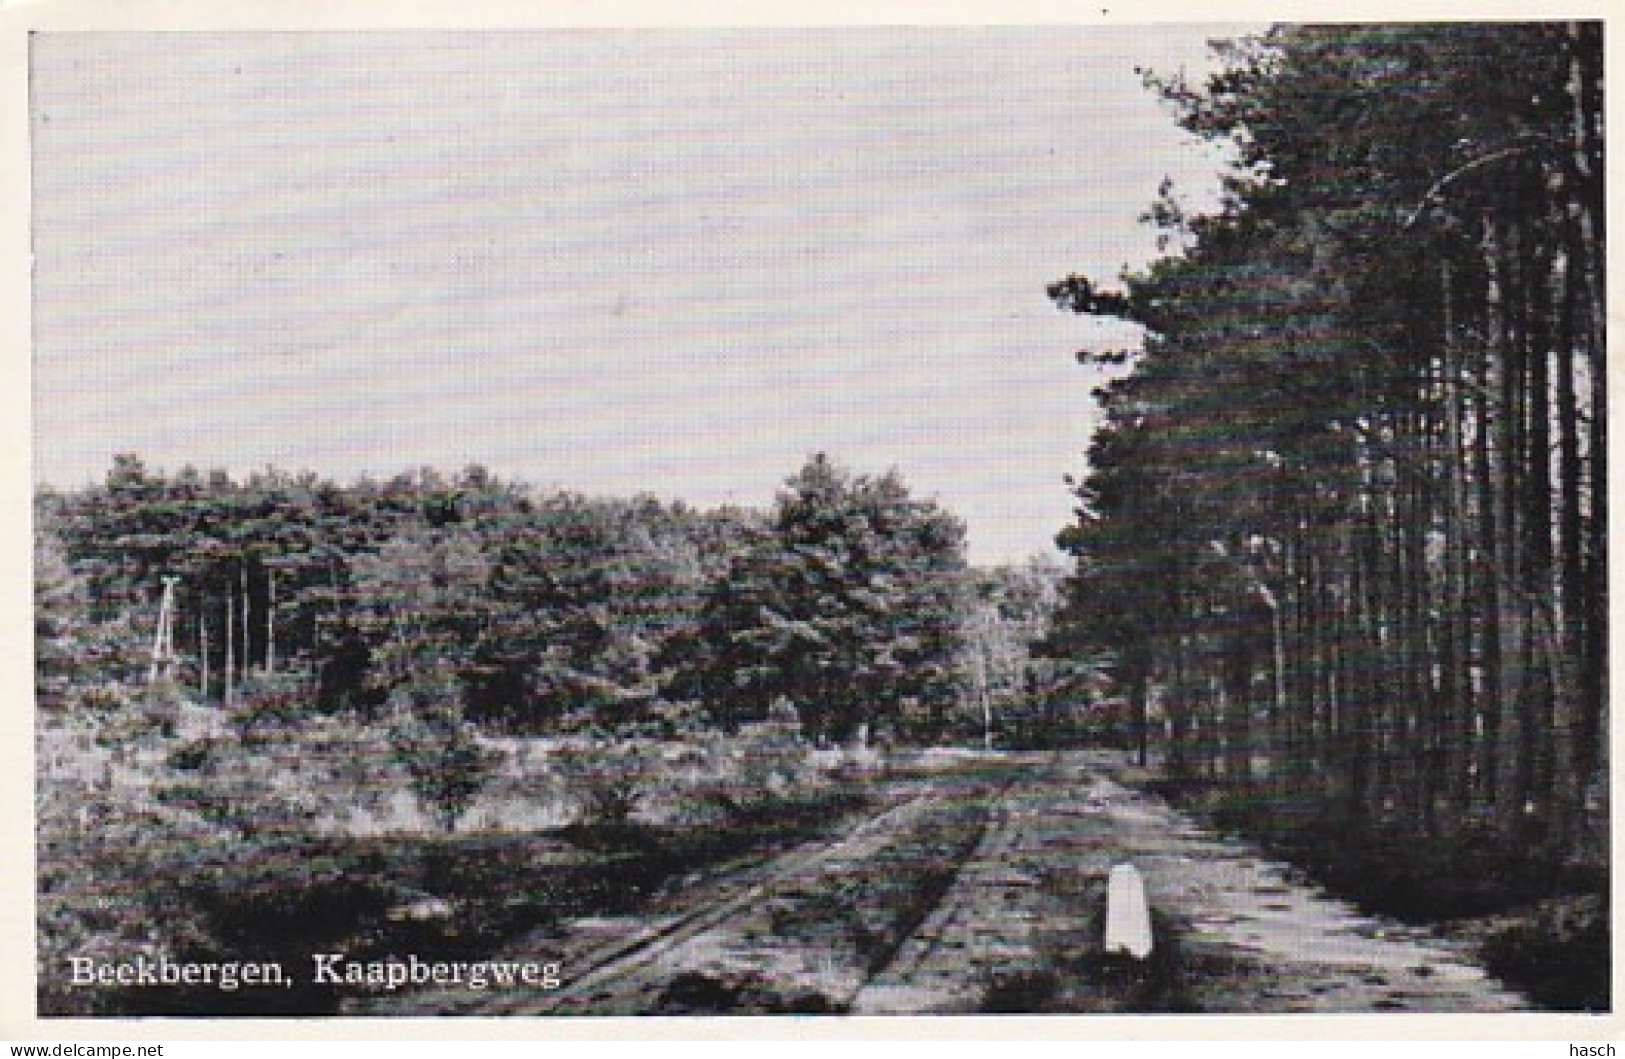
[[1128, 917]]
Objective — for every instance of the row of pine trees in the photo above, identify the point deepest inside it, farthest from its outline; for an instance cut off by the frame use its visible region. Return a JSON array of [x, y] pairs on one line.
[[1345, 528]]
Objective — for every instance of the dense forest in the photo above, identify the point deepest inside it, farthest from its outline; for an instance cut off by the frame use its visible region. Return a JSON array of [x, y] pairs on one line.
[[1344, 532], [552, 613]]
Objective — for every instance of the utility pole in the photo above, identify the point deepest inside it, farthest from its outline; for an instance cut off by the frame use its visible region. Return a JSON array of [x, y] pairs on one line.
[[163, 642]]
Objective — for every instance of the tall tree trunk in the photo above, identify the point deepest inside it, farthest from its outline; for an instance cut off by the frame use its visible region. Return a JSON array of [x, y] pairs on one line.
[[270, 620], [1512, 450], [1586, 104], [203, 650], [1414, 659], [1538, 503], [229, 673], [1456, 667], [244, 660], [1488, 605], [1573, 762], [1364, 666]]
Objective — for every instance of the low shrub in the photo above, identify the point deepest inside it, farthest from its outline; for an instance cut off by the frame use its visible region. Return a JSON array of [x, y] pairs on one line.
[[269, 709], [608, 776], [439, 749], [1560, 954], [738, 992]]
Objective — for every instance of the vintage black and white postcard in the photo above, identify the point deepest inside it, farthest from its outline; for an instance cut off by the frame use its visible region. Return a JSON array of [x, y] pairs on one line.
[[720, 518]]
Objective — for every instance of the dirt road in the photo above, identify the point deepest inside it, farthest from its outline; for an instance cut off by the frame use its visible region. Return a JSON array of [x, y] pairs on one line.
[[982, 889]]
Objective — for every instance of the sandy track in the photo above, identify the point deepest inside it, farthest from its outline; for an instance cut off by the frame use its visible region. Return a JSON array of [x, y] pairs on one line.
[[976, 893], [1257, 940]]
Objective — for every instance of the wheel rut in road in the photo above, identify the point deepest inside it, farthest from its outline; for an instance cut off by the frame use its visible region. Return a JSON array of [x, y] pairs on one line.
[[799, 931], [999, 928], [797, 940]]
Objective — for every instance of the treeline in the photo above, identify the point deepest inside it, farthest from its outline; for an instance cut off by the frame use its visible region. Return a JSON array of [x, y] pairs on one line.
[[552, 612], [1346, 524]]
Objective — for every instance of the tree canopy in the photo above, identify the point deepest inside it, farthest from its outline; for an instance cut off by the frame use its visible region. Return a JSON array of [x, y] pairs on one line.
[[848, 606], [548, 612]]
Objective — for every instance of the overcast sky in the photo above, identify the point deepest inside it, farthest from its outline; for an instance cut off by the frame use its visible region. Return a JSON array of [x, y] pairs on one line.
[[614, 261]]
